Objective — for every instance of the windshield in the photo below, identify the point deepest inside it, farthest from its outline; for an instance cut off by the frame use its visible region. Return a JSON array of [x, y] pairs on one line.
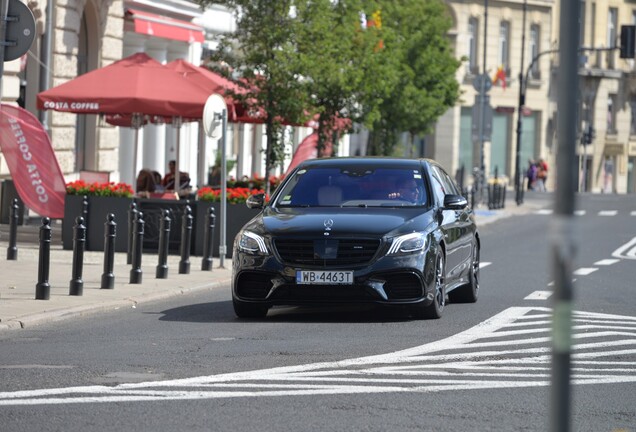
[[356, 187]]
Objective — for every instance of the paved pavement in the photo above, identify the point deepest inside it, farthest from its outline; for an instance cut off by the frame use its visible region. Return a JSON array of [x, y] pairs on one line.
[[18, 278]]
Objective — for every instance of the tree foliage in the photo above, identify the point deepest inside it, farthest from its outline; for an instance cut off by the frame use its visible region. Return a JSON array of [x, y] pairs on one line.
[[386, 65], [425, 69]]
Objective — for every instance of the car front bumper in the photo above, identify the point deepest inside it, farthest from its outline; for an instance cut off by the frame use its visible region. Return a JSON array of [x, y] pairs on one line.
[[398, 280]]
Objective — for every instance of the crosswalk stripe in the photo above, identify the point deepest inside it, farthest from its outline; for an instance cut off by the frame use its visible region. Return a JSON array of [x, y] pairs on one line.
[[544, 212], [496, 353]]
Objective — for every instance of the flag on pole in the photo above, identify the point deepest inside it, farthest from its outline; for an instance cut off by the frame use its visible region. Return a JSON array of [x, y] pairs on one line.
[[500, 75], [32, 163]]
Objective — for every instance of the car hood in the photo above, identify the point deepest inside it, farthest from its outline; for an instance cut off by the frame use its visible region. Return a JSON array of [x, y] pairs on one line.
[[340, 221]]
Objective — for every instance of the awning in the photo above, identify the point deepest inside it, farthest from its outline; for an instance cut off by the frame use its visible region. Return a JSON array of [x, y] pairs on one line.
[[164, 27]]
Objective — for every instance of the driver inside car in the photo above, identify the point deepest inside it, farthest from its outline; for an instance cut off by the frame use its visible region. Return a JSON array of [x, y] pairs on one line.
[[407, 190]]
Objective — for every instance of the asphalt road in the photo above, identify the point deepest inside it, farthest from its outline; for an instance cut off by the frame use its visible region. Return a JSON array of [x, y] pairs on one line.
[[189, 364]]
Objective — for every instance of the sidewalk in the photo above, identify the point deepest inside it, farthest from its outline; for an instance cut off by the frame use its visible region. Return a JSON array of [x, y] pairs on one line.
[[20, 309]]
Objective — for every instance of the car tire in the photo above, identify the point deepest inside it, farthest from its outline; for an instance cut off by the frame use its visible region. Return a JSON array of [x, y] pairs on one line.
[[249, 310], [469, 292], [435, 309]]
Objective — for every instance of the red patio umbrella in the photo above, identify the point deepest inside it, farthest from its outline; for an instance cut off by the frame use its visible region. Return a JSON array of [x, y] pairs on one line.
[[129, 91], [209, 80], [135, 84]]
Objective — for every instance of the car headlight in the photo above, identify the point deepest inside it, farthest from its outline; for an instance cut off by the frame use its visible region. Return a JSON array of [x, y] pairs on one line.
[[252, 243], [408, 243]]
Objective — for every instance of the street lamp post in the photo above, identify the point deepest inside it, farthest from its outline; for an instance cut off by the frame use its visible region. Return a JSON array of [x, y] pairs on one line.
[[522, 101]]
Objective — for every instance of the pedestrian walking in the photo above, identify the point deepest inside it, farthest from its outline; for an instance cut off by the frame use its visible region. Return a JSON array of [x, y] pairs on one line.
[[531, 174]]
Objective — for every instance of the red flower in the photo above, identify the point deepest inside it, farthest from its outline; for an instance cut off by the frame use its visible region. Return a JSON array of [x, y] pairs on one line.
[[80, 187], [234, 195]]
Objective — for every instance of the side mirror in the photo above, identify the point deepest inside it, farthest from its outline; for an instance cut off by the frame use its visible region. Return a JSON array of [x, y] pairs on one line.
[[455, 202], [256, 201]]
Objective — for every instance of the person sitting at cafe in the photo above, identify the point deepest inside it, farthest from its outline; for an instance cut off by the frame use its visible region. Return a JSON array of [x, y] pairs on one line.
[[146, 183], [168, 180]]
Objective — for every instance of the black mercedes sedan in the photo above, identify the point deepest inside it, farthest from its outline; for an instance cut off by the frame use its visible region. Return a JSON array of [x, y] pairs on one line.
[[354, 230]]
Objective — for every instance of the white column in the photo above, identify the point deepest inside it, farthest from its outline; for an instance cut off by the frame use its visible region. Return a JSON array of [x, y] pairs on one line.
[[128, 173], [154, 156]]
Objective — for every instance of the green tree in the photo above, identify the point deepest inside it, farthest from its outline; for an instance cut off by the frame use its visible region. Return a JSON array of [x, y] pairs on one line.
[[296, 59], [263, 51], [426, 85], [345, 70]]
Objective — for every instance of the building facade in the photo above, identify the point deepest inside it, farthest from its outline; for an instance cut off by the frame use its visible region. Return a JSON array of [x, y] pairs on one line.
[[498, 45], [607, 99], [514, 41]]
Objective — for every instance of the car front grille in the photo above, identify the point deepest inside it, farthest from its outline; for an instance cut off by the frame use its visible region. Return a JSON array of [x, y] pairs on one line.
[[326, 252]]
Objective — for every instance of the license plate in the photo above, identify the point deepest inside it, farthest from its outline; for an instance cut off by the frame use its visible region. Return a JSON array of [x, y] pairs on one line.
[[317, 277]]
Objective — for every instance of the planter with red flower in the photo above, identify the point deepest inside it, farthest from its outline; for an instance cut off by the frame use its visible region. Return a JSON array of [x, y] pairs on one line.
[[102, 199], [237, 215]]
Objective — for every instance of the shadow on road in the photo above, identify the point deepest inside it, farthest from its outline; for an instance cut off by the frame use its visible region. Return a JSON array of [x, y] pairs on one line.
[[216, 312]]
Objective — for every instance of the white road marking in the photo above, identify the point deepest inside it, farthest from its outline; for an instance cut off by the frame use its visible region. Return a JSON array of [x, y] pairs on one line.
[[606, 262], [539, 295], [584, 271], [484, 264], [627, 251], [633, 213], [552, 282], [607, 213], [579, 212], [510, 350], [544, 212]]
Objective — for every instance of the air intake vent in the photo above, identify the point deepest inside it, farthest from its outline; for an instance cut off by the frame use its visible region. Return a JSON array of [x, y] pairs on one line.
[[402, 286], [253, 285]]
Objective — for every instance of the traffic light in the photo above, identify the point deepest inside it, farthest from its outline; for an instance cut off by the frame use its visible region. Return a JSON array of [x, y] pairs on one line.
[[628, 41]]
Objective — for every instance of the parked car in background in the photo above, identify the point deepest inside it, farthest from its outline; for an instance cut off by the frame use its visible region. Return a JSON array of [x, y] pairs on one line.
[[354, 230]]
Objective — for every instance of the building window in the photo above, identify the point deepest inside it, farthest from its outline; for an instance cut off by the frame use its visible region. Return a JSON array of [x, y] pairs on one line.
[[612, 34], [504, 45], [473, 28], [611, 114], [632, 125], [582, 24], [534, 50]]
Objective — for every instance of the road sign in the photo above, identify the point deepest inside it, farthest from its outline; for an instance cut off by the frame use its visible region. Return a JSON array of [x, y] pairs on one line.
[[20, 30], [484, 81]]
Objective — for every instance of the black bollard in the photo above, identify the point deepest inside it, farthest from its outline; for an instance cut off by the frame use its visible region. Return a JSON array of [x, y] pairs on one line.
[[43, 288], [132, 217], [12, 250], [164, 237], [76, 286], [85, 205], [138, 246], [110, 234], [186, 236], [208, 240]]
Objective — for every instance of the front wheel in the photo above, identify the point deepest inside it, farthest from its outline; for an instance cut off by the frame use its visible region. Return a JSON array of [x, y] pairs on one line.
[[435, 309], [249, 310], [469, 292]]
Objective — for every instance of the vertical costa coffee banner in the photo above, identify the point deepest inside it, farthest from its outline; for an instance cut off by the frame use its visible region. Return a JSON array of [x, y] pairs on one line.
[[32, 163]]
